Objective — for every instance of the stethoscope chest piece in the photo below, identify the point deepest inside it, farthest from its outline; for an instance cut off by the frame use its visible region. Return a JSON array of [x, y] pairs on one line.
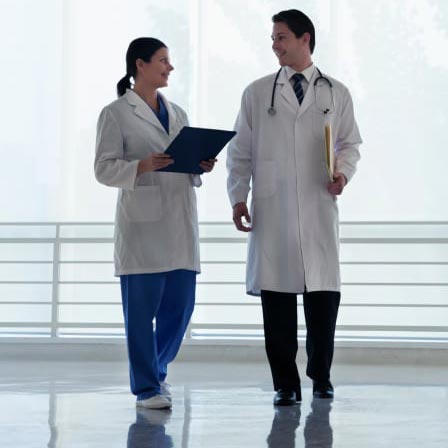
[[272, 111]]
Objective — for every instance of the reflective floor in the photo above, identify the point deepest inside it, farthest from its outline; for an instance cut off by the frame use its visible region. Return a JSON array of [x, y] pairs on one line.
[[68, 404]]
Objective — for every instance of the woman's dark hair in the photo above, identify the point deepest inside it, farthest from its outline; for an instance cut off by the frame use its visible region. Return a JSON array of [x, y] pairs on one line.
[[141, 48], [298, 23]]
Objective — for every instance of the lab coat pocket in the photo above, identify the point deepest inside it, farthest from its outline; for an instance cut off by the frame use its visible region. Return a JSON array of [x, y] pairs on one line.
[[265, 180], [320, 120], [142, 204]]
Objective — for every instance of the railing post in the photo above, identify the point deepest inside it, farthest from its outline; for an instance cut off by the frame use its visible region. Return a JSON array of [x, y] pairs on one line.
[[187, 335], [55, 285]]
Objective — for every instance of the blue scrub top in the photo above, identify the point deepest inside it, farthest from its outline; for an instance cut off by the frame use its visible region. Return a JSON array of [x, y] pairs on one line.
[[163, 114]]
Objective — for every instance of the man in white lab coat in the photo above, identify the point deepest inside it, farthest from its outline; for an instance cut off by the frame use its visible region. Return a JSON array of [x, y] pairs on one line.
[[293, 222]]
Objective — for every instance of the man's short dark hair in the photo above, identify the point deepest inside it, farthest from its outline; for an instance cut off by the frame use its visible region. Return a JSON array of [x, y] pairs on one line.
[[298, 22]]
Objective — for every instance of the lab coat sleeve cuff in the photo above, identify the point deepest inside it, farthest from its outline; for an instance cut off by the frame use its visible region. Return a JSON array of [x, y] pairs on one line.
[[237, 199], [347, 171], [196, 180], [134, 168]]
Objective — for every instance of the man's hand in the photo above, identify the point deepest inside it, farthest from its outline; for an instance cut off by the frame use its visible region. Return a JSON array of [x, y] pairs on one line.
[[337, 186], [240, 210]]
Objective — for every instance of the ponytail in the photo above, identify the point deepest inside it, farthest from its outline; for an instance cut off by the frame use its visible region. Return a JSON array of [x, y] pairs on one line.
[[140, 48], [123, 84]]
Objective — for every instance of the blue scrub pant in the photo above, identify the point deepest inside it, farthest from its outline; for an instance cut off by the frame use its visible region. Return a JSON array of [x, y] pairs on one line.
[[167, 297]]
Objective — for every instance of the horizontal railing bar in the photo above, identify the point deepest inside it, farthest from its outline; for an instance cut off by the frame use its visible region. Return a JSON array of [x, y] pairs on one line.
[[348, 223], [86, 262], [108, 336], [212, 223], [257, 304], [21, 335], [31, 282], [243, 283], [111, 262], [347, 240], [395, 263], [394, 240], [25, 282], [392, 223], [221, 240], [228, 304], [394, 305], [341, 337], [89, 283], [227, 326], [56, 223], [26, 324], [404, 328], [28, 240], [63, 302], [394, 284], [356, 263], [60, 240], [24, 303], [343, 305], [101, 337], [51, 238], [61, 325], [220, 283], [25, 262], [428, 329]]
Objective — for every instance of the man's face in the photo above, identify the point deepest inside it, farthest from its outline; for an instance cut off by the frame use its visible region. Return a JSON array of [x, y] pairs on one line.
[[289, 49]]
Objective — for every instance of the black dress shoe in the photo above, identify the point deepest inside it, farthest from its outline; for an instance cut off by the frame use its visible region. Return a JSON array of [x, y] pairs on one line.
[[323, 389], [287, 397]]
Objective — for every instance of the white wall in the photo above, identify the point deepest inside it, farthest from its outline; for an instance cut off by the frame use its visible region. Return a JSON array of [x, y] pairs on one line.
[[61, 60]]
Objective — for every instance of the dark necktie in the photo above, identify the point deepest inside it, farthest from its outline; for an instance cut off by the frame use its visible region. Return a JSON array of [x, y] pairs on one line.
[[298, 89]]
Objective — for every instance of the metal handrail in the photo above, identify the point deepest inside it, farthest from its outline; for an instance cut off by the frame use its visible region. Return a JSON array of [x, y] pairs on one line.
[[57, 241]]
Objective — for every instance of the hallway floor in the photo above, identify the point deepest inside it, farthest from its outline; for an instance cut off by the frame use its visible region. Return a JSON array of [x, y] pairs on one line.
[[220, 405]]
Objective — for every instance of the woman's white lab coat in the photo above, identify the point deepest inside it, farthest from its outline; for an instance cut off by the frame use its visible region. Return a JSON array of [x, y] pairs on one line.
[[294, 242], [156, 226]]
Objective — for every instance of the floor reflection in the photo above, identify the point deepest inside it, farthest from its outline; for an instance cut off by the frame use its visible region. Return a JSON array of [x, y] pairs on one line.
[[283, 432], [149, 429], [66, 406], [318, 431]]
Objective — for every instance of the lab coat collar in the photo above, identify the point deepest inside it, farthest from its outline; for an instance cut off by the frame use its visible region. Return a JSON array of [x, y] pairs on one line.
[[144, 111], [286, 90], [310, 97], [307, 73], [288, 94]]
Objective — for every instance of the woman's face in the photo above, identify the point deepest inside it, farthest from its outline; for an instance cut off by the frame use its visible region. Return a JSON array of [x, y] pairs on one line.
[[155, 73]]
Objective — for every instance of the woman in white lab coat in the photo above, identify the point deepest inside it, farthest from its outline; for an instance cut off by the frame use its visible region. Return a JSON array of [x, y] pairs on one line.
[[156, 228]]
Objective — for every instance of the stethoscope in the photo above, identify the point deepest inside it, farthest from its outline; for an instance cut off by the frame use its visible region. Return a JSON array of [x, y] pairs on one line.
[[272, 111]]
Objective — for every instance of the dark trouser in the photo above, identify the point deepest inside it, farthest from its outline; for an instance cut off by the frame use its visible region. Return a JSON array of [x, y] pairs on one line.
[[280, 331]]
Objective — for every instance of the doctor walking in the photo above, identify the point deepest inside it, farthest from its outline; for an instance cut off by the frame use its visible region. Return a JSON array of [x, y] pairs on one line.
[[156, 228], [293, 220]]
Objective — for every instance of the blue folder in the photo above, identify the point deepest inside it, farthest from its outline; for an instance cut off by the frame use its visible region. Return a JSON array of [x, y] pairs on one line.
[[193, 145]]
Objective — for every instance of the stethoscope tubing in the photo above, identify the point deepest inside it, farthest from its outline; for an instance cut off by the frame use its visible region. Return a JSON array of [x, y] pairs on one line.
[[273, 111]]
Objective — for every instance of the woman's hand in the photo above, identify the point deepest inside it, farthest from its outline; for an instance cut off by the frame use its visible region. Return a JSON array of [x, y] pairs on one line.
[[208, 165], [154, 162]]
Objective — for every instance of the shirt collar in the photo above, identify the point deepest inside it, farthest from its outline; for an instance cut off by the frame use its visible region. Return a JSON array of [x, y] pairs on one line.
[[307, 73]]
